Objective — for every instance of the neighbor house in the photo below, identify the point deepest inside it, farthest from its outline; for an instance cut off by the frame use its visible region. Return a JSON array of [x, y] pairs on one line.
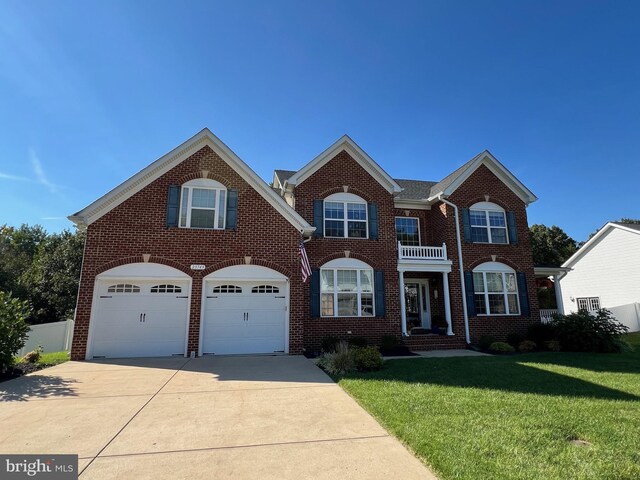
[[605, 273], [197, 255]]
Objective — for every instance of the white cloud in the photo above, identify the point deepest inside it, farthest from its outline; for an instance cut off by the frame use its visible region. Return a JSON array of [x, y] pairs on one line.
[[15, 178], [41, 178], [53, 218]]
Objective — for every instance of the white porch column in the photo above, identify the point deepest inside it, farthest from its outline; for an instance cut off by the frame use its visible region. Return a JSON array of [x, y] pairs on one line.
[[403, 307], [558, 292], [447, 304]]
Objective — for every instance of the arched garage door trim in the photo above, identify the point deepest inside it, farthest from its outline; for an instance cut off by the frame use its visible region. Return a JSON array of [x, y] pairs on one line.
[[114, 290]]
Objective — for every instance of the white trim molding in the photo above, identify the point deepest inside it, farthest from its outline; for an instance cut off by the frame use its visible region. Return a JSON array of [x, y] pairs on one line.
[[149, 174], [594, 240]]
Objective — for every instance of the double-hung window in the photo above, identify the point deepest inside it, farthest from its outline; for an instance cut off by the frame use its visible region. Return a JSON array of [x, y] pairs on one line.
[[496, 292], [488, 223], [346, 292], [345, 215], [590, 304], [203, 204], [408, 231]]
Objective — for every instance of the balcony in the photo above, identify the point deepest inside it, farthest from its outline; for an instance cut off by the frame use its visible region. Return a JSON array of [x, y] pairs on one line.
[[546, 314], [423, 258]]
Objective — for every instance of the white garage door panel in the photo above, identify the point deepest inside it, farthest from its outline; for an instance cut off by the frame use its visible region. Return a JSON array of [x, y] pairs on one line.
[[120, 331], [237, 323]]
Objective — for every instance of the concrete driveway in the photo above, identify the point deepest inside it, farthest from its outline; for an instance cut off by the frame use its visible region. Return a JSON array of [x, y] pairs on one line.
[[205, 418]]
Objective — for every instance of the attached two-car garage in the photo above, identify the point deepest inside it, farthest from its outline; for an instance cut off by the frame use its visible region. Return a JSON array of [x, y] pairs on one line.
[[142, 310]]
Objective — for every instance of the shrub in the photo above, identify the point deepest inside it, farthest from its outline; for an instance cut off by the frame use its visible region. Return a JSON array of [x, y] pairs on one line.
[[13, 328], [359, 342], [367, 359], [339, 362], [486, 341], [514, 339], [552, 345], [540, 333], [586, 332], [33, 356], [329, 343], [501, 347], [527, 346], [389, 343]]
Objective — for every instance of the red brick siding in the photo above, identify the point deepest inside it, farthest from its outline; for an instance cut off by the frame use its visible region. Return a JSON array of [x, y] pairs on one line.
[[137, 227]]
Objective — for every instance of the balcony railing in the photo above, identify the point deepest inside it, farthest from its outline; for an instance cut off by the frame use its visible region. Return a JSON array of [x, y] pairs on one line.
[[546, 314], [406, 252]]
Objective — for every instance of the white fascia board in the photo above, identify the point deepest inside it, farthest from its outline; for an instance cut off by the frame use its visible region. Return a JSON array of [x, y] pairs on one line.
[[549, 271], [127, 189], [412, 204], [594, 240], [359, 155]]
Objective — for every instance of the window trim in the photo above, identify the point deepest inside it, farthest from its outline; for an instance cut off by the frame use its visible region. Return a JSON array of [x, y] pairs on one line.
[[203, 184], [345, 199], [498, 268], [352, 265], [589, 302], [486, 207], [419, 234]]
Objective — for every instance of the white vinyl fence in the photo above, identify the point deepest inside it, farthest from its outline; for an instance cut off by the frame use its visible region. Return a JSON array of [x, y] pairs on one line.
[[53, 337], [628, 315]]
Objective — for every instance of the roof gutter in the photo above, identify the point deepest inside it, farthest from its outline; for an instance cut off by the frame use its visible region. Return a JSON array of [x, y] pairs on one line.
[[461, 267]]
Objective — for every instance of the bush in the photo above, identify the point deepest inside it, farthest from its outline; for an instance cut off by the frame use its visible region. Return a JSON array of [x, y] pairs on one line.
[[486, 341], [359, 342], [389, 343], [339, 362], [33, 356], [367, 359], [501, 347], [329, 344], [552, 345], [527, 346], [13, 328], [586, 332], [514, 339], [540, 333]]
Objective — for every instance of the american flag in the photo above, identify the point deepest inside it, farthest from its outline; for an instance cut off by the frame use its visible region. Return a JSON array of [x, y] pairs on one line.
[[305, 267]]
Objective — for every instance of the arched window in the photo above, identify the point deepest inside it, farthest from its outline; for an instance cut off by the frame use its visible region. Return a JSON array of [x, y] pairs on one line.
[[227, 289], [203, 204], [346, 289], [168, 288], [265, 289], [123, 288], [488, 223], [495, 289], [345, 215]]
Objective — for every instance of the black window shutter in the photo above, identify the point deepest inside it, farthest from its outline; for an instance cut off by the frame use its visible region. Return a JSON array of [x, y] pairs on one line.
[[373, 221], [173, 205], [314, 296], [511, 225], [466, 225], [523, 292], [232, 210], [469, 293], [318, 217], [378, 283]]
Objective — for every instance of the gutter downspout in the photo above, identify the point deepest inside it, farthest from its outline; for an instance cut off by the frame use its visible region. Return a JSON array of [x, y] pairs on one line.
[[461, 266]]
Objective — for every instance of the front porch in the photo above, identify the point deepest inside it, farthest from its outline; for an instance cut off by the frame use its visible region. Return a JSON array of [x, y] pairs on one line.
[[425, 305]]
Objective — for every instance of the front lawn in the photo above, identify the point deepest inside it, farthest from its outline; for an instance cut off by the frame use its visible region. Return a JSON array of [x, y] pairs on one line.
[[20, 368], [516, 417]]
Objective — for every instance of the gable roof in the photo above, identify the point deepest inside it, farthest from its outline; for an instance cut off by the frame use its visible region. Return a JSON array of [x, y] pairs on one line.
[[604, 231], [414, 189], [147, 175], [365, 161], [451, 182]]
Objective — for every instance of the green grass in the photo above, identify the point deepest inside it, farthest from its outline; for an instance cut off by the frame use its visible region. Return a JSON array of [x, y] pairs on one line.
[[513, 417], [53, 358]]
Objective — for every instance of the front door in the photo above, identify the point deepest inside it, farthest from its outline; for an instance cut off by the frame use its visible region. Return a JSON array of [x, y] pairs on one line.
[[417, 305]]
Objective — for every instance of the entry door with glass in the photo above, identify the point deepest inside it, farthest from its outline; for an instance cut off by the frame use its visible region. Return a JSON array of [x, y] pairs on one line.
[[417, 305]]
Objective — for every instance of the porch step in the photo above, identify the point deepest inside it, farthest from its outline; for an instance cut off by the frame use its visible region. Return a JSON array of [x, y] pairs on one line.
[[433, 342]]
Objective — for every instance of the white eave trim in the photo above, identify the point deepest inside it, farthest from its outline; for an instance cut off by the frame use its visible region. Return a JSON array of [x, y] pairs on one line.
[[594, 240], [149, 174], [549, 271], [365, 161], [499, 170], [411, 204]]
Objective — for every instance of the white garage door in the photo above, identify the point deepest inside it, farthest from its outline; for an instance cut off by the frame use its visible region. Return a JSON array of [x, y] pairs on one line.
[[140, 318], [244, 317]]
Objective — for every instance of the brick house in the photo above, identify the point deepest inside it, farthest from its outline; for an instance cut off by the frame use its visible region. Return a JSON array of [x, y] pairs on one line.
[[196, 255]]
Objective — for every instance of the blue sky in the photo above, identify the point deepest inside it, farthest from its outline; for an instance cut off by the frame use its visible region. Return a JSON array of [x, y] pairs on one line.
[[91, 92]]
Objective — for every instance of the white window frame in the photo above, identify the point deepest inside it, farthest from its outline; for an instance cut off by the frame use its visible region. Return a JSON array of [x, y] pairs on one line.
[[348, 264], [502, 269], [220, 220], [345, 199], [590, 302], [417, 219], [486, 208]]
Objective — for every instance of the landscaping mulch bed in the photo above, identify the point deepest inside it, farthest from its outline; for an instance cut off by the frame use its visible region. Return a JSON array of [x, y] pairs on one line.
[[20, 369]]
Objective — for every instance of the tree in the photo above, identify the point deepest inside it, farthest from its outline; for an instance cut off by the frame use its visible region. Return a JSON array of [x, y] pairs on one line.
[[629, 221], [551, 245], [13, 328]]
